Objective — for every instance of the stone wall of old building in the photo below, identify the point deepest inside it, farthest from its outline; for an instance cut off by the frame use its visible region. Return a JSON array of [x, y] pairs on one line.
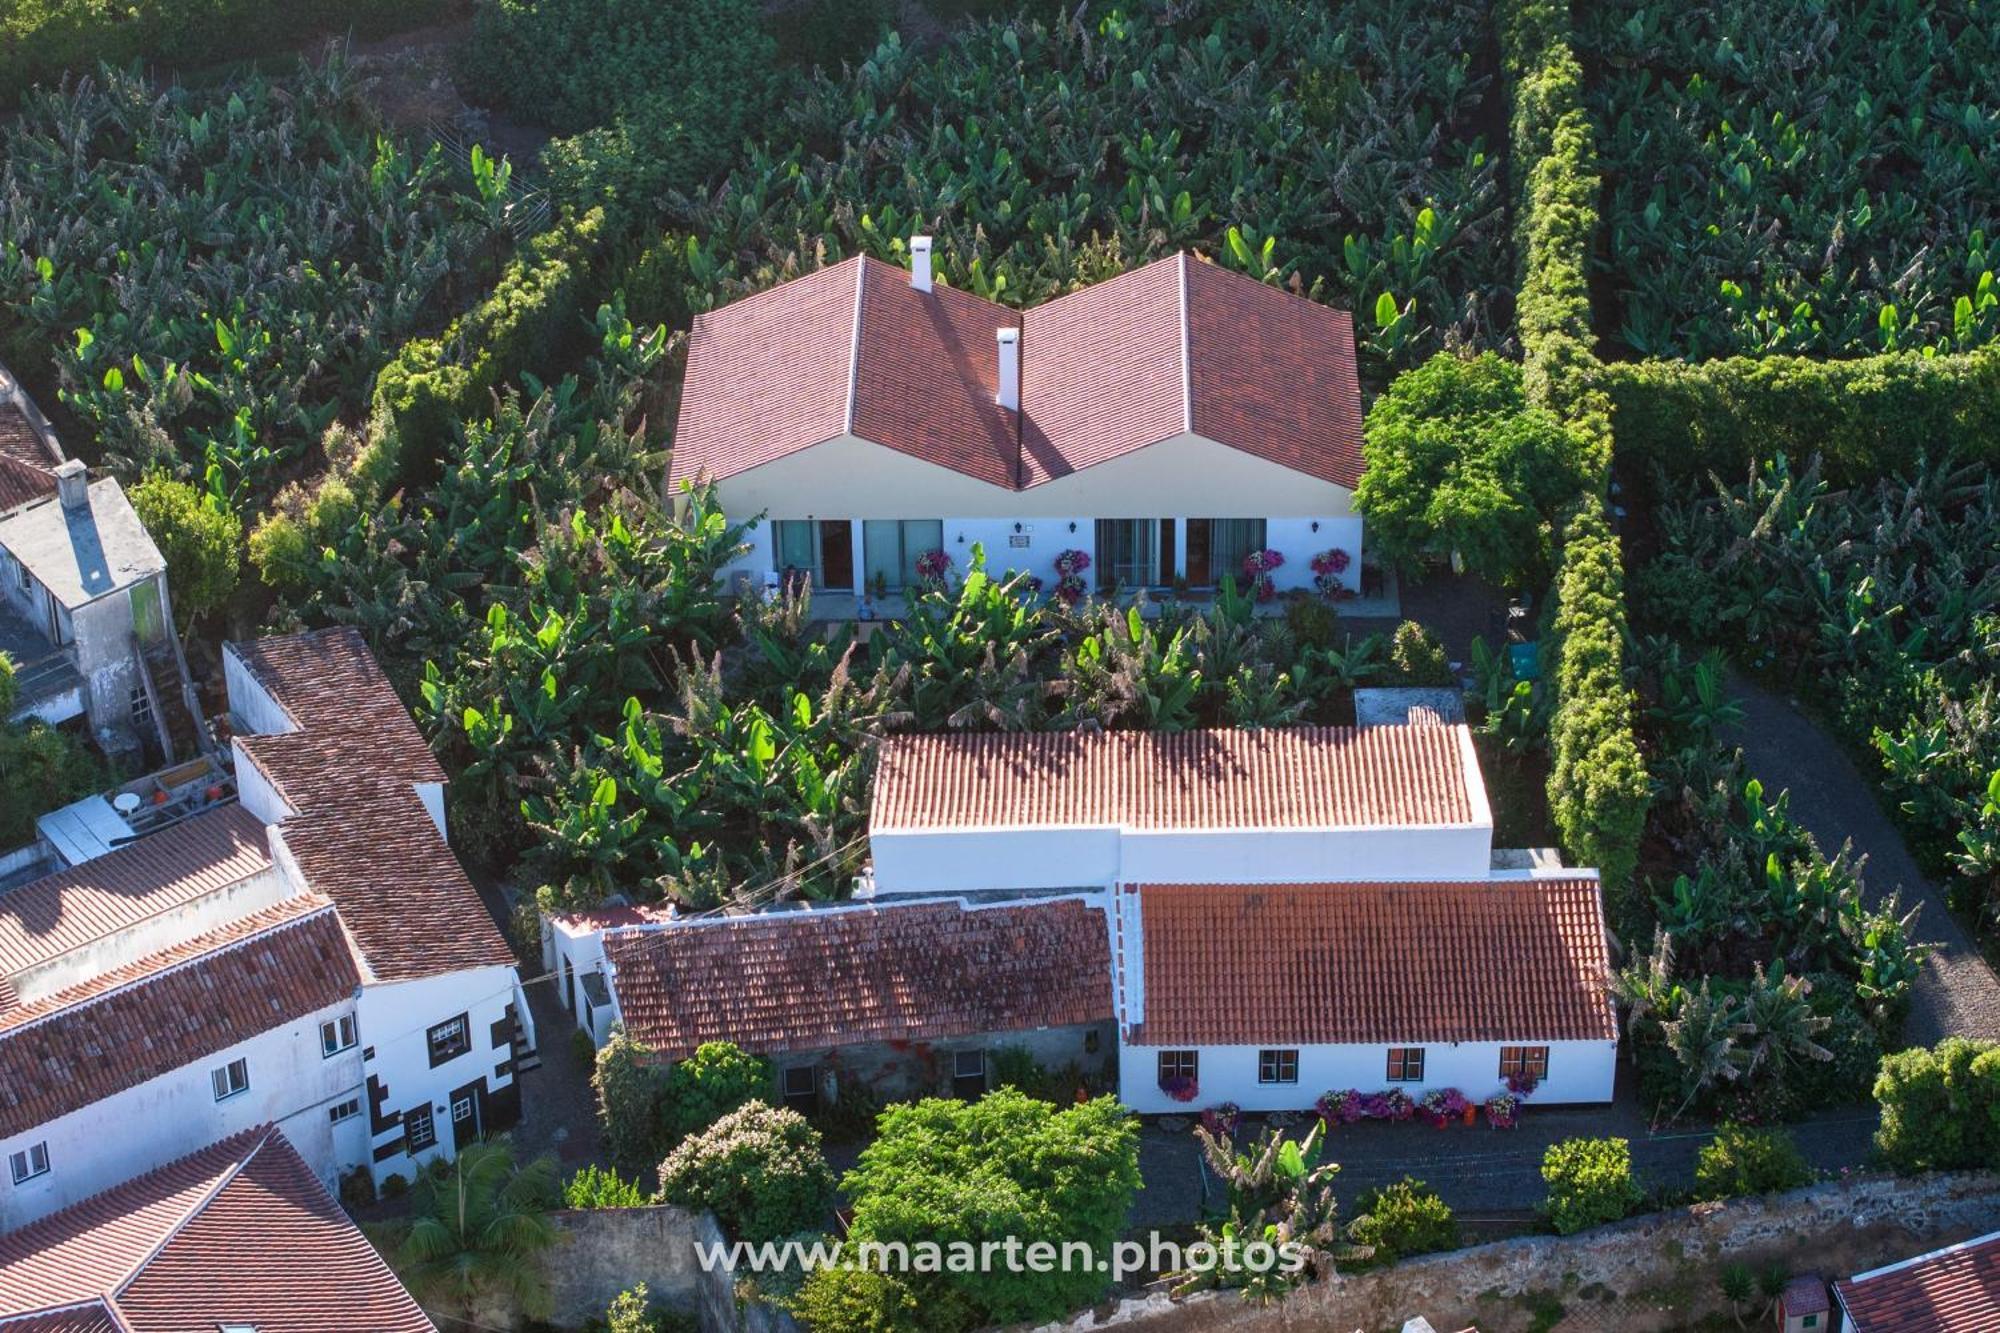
[[1650, 1273]]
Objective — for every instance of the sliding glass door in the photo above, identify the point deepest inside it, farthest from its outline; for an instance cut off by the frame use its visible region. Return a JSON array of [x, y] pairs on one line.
[[819, 549], [1216, 547], [891, 547], [1129, 553]]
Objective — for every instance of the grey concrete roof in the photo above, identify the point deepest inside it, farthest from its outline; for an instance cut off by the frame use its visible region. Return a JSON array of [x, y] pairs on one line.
[[80, 555], [1397, 705]]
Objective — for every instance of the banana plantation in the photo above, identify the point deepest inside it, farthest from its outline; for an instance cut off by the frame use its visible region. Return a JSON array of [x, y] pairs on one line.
[[1797, 177]]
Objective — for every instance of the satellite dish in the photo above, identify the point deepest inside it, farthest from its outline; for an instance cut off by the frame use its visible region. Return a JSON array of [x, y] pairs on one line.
[[126, 802]]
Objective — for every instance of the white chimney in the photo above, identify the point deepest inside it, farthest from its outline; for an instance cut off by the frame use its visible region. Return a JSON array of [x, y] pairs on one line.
[[73, 484], [1009, 396], [920, 263]]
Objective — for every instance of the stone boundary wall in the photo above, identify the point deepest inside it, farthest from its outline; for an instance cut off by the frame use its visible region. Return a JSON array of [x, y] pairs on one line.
[[1642, 1275]]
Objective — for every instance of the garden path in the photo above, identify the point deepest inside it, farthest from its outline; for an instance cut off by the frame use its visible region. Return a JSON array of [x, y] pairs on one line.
[[1957, 994]]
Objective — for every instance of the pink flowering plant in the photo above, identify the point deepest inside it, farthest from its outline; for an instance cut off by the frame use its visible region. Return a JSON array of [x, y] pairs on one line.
[[1339, 1107], [1327, 568], [1441, 1106], [1257, 567], [1503, 1110], [1222, 1120], [1070, 585], [1180, 1087], [932, 566]]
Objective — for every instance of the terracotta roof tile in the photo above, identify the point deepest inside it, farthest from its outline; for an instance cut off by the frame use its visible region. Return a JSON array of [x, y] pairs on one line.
[[92, 1318], [51, 916], [1286, 777], [27, 465], [240, 1232], [1311, 964], [170, 1010], [1106, 370], [1954, 1290], [362, 836], [1102, 372], [813, 980]]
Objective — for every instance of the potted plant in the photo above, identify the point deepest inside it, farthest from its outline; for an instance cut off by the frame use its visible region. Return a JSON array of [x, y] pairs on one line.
[[1070, 584], [1180, 1087], [1327, 568], [932, 566], [878, 583], [1339, 1108], [1221, 1121], [1257, 567], [1503, 1110], [1441, 1106]]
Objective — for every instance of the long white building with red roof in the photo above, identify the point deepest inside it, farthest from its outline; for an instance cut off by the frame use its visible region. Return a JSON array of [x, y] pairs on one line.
[[1166, 423], [312, 957], [1248, 917]]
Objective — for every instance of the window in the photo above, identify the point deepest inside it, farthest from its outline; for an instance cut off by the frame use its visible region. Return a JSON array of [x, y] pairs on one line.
[[968, 1074], [231, 1079], [419, 1130], [1277, 1066], [1128, 553], [1179, 1069], [30, 1162], [346, 1110], [142, 710], [1809, 1321], [1223, 542], [1406, 1064], [1524, 1062], [337, 1035], [65, 626], [801, 1088], [890, 548], [449, 1040]]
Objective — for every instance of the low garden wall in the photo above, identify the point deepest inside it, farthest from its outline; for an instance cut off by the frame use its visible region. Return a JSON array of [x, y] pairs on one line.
[[1649, 1273]]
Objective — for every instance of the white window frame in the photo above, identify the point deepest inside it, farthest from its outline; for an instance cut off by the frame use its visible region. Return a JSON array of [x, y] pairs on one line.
[[29, 1162], [337, 1035], [1273, 1060], [223, 1079], [463, 1022], [341, 1111]]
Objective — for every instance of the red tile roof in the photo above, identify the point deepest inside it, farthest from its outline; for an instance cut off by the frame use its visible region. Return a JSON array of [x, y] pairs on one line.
[[27, 465], [1284, 777], [813, 980], [58, 913], [240, 1232], [1954, 1290], [362, 836], [1313, 964], [170, 1010], [1174, 346]]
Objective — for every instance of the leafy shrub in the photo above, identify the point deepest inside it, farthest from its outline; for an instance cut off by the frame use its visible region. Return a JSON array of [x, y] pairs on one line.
[[41, 768], [1004, 1166], [152, 254], [1740, 1161], [634, 1312], [1590, 1183], [200, 539], [1403, 1219], [41, 41], [1417, 657], [628, 1086], [1940, 1107], [758, 1169], [1459, 463], [845, 1299], [599, 1187], [10, 687], [715, 1080]]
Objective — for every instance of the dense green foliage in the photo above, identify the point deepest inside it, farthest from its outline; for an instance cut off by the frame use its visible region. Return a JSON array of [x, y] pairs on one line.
[[1740, 1161], [1401, 1220], [1276, 1194], [1333, 145], [758, 1169], [1889, 598], [848, 1299], [1458, 463], [1941, 1107], [708, 1085], [1796, 177], [476, 1226], [600, 1187], [42, 39], [200, 538], [1004, 1166], [1590, 1183], [1865, 417], [627, 1083], [41, 768], [211, 279]]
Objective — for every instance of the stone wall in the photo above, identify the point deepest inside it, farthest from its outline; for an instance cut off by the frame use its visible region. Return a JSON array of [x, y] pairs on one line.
[[1652, 1273]]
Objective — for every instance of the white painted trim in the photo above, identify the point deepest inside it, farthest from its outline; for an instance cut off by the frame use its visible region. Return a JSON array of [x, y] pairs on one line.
[[1178, 830], [964, 902], [854, 344], [1187, 376], [1975, 1242], [1475, 779]]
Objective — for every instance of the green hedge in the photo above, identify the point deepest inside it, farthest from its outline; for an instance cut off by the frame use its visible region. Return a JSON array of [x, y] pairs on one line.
[[1867, 418], [40, 40], [532, 317], [1940, 1107]]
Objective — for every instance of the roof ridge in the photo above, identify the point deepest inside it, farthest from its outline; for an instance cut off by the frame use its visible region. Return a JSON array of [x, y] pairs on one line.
[[854, 344], [1187, 367], [325, 905], [263, 1136]]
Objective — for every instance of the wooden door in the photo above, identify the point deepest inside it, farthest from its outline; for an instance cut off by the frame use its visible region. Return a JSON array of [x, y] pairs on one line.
[[836, 554]]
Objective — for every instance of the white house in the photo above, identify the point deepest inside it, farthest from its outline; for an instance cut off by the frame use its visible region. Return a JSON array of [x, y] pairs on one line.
[[238, 1237], [1287, 911], [312, 957], [1166, 423]]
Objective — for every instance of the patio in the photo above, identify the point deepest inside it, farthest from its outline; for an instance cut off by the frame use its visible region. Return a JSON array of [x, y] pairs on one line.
[[46, 680]]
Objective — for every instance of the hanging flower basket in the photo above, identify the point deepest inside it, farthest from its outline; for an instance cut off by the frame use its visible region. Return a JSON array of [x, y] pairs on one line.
[[1257, 567], [1070, 585], [1180, 1087]]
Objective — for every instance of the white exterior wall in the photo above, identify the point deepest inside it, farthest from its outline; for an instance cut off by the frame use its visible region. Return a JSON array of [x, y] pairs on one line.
[[250, 702], [1579, 1071], [396, 1018], [990, 859], [1186, 476], [131, 1132]]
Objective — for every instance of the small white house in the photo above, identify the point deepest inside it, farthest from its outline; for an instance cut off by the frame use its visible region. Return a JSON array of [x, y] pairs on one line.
[[312, 957], [1165, 423]]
